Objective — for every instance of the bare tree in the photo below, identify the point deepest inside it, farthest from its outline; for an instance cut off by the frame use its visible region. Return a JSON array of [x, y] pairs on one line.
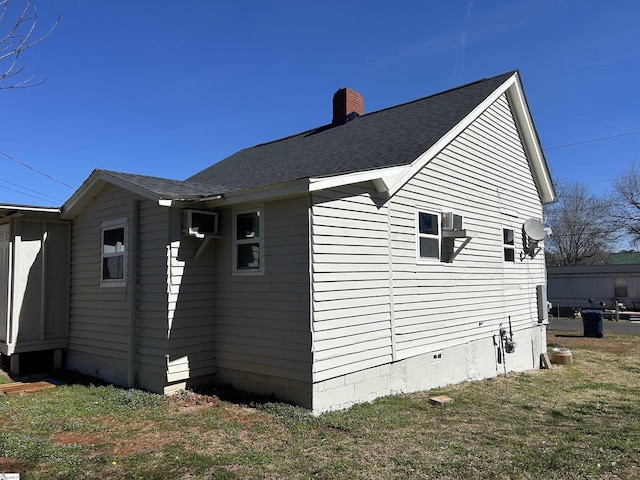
[[583, 230], [627, 197], [20, 35]]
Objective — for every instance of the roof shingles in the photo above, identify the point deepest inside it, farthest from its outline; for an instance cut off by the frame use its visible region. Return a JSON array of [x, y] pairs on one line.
[[391, 137], [386, 138], [165, 188]]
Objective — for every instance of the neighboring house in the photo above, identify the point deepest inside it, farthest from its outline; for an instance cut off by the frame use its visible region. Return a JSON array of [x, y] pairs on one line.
[[34, 283], [378, 254], [574, 287]]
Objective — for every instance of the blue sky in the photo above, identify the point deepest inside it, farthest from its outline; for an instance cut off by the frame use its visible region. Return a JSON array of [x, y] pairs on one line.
[[167, 88]]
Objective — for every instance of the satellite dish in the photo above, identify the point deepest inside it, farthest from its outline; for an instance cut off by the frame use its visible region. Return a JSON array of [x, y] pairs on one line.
[[535, 229]]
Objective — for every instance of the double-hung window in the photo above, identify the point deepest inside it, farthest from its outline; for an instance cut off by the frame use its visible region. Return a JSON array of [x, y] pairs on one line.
[[509, 245], [248, 235], [113, 253], [428, 236]]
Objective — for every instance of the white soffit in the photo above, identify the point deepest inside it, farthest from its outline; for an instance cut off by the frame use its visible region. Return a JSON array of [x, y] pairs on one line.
[[382, 178], [94, 183]]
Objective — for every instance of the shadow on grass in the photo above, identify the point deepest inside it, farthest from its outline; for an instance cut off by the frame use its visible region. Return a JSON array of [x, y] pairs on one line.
[[224, 392], [228, 393]]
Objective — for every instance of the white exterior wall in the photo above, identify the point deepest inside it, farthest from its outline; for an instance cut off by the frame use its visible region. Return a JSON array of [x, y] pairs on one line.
[[174, 312], [352, 328], [376, 307], [99, 317], [263, 342], [35, 284], [151, 310], [189, 326]]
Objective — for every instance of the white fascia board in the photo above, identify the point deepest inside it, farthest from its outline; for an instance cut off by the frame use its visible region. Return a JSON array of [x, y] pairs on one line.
[[272, 192], [192, 202], [30, 209], [531, 142], [81, 196], [427, 156], [513, 88], [382, 178], [96, 181], [143, 192]]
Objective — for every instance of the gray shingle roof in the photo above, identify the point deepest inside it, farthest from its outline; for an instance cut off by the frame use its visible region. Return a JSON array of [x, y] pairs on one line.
[[165, 188], [386, 138]]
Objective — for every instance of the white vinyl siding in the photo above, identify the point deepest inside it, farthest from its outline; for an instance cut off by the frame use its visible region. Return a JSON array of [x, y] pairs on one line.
[[351, 303], [34, 283], [189, 327], [372, 303], [262, 321], [99, 317], [174, 311], [481, 174]]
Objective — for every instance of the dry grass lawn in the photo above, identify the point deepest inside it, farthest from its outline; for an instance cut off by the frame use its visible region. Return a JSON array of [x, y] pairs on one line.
[[571, 422]]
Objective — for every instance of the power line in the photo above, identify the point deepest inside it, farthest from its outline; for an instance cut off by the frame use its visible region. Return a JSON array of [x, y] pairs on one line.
[[594, 140], [37, 171], [26, 194], [39, 194]]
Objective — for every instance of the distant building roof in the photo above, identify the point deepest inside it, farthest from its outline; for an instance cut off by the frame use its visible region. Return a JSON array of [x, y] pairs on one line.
[[624, 258], [592, 269]]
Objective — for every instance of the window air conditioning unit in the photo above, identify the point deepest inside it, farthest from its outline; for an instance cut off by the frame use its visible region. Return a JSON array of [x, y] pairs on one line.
[[451, 221], [199, 223]]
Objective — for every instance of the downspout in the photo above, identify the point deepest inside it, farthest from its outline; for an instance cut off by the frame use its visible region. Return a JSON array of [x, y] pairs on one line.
[[10, 288], [43, 283], [14, 318], [133, 290], [392, 308], [311, 289]]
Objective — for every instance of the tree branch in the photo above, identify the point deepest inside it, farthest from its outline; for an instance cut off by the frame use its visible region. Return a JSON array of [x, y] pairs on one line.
[[18, 38]]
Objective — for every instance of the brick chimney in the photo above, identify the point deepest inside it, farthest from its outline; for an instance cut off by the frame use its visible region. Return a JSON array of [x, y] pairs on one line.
[[347, 105]]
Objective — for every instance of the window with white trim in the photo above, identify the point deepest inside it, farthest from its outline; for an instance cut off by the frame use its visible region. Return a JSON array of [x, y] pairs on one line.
[[113, 253], [248, 249], [509, 245], [428, 236]]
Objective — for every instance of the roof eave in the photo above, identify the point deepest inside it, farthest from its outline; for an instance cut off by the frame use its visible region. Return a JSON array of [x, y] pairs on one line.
[[513, 88], [382, 178], [9, 210], [92, 185], [531, 142]]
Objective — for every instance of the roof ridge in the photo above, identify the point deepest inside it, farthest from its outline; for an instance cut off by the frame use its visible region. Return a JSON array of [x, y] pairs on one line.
[[330, 125], [459, 87], [394, 135]]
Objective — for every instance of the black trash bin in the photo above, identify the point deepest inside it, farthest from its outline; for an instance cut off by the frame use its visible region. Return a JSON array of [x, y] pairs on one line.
[[592, 323]]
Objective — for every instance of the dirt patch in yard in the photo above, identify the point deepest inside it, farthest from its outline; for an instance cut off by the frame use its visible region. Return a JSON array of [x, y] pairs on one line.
[[76, 438], [10, 466]]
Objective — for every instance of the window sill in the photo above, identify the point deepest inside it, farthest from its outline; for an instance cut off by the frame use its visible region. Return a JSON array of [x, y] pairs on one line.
[[112, 284]]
